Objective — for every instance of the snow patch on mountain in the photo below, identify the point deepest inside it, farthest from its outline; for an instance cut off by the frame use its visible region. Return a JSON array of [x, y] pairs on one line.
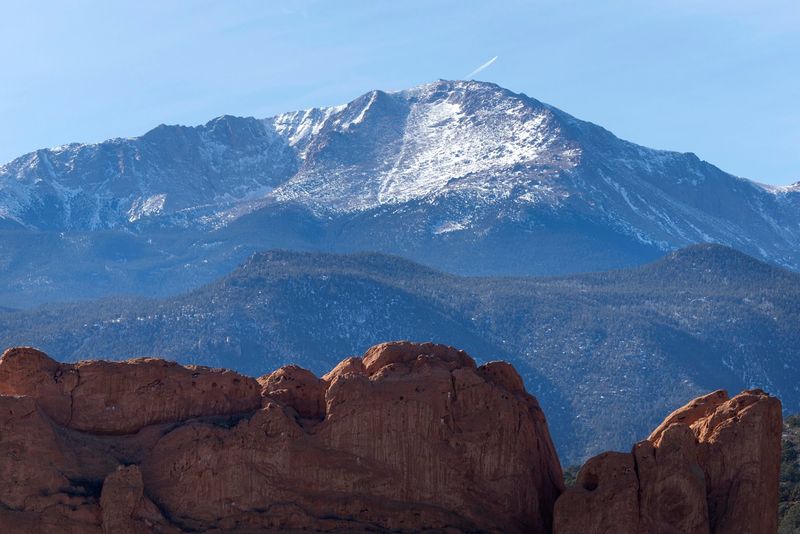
[[784, 189], [299, 127], [146, 207], [361, 115]]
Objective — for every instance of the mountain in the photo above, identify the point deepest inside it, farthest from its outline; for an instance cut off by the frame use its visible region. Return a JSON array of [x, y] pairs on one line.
[[591, 347], [463, 176]]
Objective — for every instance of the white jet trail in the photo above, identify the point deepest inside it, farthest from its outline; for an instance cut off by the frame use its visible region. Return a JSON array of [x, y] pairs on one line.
[[482, 67]]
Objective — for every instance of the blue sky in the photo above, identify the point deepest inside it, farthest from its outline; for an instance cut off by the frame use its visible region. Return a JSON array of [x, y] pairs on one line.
[[718, 78]]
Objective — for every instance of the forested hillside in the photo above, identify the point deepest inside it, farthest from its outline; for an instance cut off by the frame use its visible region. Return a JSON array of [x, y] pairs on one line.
[[607, 354]]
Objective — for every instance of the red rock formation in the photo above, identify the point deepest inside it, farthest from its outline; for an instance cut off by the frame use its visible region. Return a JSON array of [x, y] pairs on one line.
[[711, 467], [125, 507], [124, 397], [297, 388], [409, 437]]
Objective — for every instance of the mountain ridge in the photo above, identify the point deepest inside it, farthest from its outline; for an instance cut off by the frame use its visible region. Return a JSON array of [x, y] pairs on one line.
[[702, 318], [466, 177]]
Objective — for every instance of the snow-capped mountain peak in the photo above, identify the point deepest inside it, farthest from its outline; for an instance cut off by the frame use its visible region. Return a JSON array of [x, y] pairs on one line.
[[482, 155], [388, 148]]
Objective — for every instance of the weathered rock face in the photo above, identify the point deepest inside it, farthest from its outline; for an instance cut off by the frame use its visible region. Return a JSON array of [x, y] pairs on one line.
[[416, 436], [125, 507], [711, 467], [124, 397], [408, 437]]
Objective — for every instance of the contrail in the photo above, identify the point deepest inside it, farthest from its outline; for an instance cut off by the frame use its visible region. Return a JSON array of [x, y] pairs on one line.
[[479, 69]]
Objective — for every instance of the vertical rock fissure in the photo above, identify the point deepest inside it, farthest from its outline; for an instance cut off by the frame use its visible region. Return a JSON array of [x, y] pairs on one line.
[[639, 497], [72, 395]]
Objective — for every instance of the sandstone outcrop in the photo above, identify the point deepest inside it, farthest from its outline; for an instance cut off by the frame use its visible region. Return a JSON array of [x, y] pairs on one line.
[[125, 508], [711, 467], [123, 397], [409, 437]]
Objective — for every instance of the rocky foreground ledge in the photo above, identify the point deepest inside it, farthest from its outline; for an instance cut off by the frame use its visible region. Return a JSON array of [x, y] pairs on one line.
[[409, 437]]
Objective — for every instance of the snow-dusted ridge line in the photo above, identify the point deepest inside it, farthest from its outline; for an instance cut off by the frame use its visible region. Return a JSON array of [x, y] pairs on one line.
[[482, 155], [781, 189], [311, 120]]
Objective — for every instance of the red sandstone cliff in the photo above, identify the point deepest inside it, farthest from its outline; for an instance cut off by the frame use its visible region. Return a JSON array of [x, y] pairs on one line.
[[409, 437], [710, 467]]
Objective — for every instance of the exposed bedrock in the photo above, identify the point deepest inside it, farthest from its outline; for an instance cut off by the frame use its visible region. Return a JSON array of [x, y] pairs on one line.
[[711, 467], [408, 437], [411, 436]]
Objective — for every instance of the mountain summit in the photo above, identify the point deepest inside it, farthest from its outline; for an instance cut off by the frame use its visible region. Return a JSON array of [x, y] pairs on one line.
[[463, 175]]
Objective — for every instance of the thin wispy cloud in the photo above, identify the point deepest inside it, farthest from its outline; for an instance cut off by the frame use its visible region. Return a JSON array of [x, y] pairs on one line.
[[481, 68]]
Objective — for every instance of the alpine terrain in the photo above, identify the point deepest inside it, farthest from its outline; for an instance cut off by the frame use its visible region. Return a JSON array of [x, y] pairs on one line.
[[467, 177]]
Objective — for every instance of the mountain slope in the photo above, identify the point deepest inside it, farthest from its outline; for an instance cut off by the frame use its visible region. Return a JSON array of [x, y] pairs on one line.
[[464, 176], [591, 347]]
